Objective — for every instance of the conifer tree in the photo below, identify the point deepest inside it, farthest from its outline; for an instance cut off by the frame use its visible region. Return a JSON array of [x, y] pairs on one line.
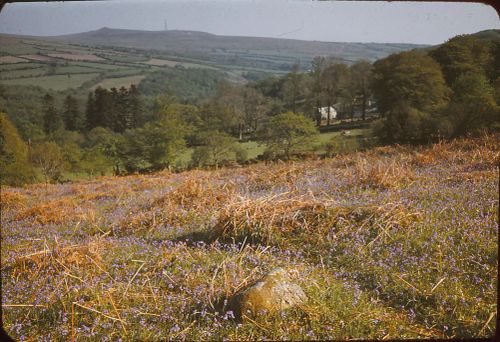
[[73, 120], [123, 112], [102, 106], [135, 107], [90, 119], [51, 119]]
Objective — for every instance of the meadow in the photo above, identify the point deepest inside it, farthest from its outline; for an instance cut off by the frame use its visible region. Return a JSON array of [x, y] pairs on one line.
[[390, 243]]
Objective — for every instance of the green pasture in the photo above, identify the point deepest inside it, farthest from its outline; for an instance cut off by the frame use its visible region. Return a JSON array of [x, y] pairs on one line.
[[35, 72], [118, 82], [20, 66], [55, 82], [75, 69]]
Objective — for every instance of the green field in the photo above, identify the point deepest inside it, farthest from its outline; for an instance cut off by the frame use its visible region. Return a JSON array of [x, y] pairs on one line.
[[56, 82], [118, 82], [20, 66], [100, 65], [75, 69], [34, 72]]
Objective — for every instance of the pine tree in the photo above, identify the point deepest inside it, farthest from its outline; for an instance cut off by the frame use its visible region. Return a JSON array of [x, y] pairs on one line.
[[102, 106], [90, 116], [111, 110], [135, 107], [73, 120], [123, 112], [51, 119]]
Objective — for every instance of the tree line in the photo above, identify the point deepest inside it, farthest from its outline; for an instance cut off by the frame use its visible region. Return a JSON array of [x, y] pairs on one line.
[[116, 109]]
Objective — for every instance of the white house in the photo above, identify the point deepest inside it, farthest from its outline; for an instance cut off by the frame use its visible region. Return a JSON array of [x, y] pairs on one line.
[[324, 113]]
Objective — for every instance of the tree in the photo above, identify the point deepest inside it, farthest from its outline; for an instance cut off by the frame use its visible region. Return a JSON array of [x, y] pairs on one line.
[[109, 144], [402, 123], [218, 147], [158, 144], [255, 108], [167, 107], [228, 103], [473, 104], [94, 162], [316, 97], [335, 79], [49, 158], [411, 77], [360, 81], [464, 54], [103, 108], [123, 113], [90, 114], [135, 107], [72, 116], [409, 89], [293, 89], [51, 119], [111, 110], [69, 143], [14, 165], [288, 133]]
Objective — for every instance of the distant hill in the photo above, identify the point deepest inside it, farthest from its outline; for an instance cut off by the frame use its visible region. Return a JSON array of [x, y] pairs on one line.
[[217, 48]]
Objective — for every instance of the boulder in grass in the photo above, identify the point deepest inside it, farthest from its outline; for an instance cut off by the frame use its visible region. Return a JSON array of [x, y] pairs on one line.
[[273, 293]]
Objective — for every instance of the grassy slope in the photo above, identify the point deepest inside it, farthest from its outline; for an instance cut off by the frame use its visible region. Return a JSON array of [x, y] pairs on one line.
[[389, 243]]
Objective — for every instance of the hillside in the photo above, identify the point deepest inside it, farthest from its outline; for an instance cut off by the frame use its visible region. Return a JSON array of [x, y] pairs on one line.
[[220, 48], [493, 35], [391, 243]]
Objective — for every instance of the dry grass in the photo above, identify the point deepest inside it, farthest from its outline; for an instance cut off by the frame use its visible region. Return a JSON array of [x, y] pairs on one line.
[[12, 200], [56, 211], [380, 173]]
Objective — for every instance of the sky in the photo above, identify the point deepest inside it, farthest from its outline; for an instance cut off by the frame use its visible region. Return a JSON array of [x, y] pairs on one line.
[[333, 21]]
